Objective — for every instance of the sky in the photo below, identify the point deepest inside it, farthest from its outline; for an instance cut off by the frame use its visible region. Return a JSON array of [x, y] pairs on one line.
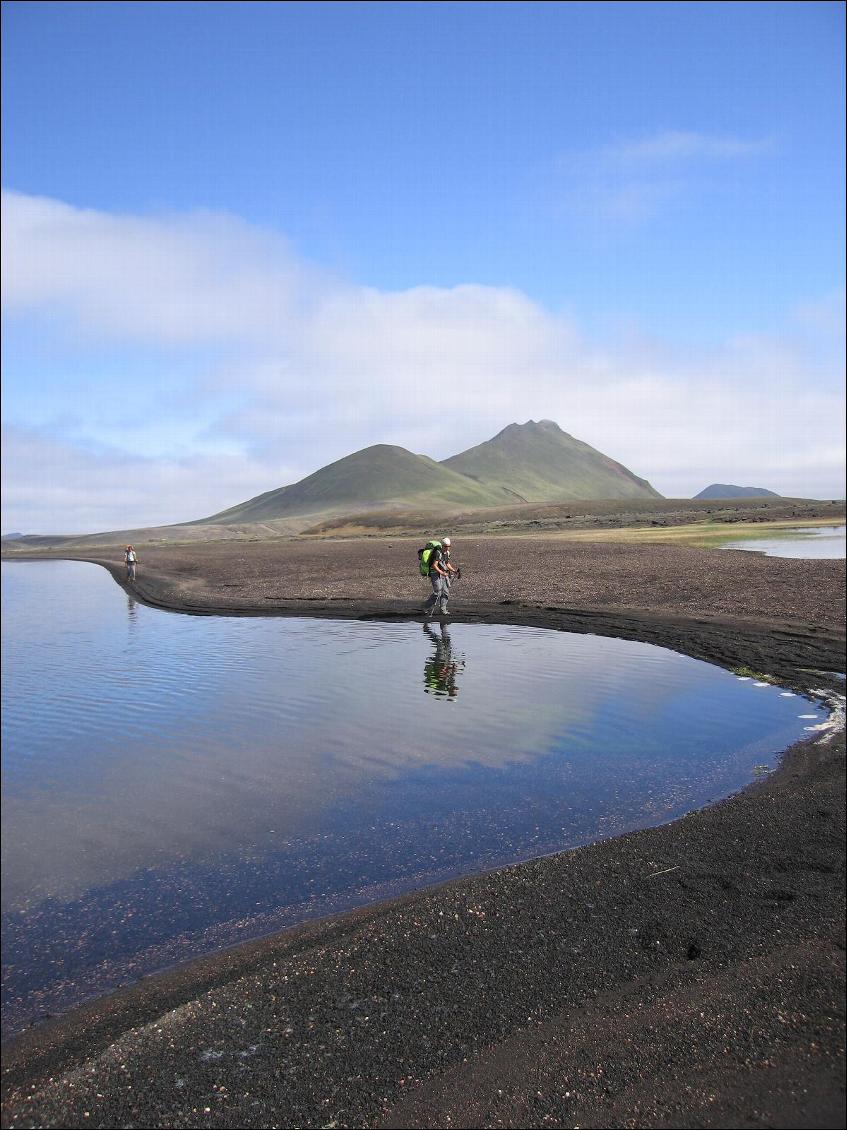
[[241, 241]]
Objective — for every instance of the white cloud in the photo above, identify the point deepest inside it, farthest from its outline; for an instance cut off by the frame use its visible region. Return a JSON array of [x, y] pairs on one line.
[[304, 368], [681, 145], [630, 181], [178, 280], [54, 486]]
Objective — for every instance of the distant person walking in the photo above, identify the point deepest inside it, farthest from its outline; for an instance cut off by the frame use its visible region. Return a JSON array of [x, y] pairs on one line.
[[441, 573], [131, 558]]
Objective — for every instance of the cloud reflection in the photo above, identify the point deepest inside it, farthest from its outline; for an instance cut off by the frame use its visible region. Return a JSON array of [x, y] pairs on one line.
[[198, 738]]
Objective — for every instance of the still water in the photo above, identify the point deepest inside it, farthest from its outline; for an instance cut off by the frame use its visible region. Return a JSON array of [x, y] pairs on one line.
[[813, 544], [173, 783]]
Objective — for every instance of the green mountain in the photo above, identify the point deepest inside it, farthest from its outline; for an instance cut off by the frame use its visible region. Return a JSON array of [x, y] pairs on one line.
[[532, 462], [538, 462], [381, 475], [727, 490]]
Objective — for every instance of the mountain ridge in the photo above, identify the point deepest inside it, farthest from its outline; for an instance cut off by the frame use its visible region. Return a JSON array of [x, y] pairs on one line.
[[531, 462], [387, 478], [729, 490]]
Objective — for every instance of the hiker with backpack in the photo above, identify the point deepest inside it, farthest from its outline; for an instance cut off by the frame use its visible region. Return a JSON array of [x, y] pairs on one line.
[[435, 564], [131, 560]]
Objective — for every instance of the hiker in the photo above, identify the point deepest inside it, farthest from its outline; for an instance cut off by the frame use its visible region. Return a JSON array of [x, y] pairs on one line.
[[131, 559], [440, 575], [440, 669]]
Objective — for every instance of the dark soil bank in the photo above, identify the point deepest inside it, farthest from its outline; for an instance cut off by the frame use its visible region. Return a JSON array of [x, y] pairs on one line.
[[685, 976]]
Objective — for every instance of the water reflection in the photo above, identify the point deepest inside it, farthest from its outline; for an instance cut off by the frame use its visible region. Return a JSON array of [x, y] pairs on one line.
[[815, 543], [441, 667], [190, 781]]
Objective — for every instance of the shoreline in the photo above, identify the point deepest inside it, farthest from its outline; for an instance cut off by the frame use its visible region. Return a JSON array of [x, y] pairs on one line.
[[688, 974]]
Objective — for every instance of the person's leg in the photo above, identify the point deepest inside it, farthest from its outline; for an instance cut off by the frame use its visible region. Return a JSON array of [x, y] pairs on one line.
[[445, 594], [432, 600], [440, 599]]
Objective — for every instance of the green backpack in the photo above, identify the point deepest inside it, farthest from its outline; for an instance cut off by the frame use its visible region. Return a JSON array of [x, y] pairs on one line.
[[425, 556]]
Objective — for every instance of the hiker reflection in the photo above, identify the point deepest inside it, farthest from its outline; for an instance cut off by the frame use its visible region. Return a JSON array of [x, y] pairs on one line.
[[441, 668], [132, 609]]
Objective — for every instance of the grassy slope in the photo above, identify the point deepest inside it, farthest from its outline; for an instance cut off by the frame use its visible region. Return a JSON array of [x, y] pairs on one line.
[[538, 462], [379, 475], [701, 535]]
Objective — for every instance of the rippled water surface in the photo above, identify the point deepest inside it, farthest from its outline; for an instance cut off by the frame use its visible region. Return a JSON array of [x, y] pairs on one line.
[[176, 783]]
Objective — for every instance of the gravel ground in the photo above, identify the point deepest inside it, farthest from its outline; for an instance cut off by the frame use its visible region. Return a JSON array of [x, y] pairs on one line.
[[684, 976], [669, 580]]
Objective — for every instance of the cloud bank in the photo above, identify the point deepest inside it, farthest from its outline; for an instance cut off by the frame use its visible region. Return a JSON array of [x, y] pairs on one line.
[[292, 367]]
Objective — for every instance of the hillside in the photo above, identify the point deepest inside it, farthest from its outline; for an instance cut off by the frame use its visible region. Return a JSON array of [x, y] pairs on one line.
[[727, 490], [525, 463], [378, 475], [538, 462]]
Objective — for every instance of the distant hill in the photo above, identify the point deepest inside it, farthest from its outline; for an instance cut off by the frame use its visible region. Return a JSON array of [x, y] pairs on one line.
[[532, 462], [525, 463], [12, 537], [727, 490], [378, 475], [538, 462]]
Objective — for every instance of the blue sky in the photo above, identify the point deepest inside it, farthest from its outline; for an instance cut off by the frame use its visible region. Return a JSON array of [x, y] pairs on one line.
[[242, 240]]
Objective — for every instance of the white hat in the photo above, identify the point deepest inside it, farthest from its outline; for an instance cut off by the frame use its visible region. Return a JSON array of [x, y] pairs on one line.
[[446, 541]]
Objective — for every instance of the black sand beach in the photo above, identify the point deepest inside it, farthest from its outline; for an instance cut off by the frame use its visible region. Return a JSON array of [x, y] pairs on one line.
[[684, 976]]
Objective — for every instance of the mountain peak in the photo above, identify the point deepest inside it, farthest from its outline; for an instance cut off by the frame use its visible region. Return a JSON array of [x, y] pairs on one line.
[[531, 428], [374, 476], [730, 490], [534, 425], [538, 462]]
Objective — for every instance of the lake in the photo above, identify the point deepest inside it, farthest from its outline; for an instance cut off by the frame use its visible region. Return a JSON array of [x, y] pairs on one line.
[[813, 544], [173, 784]]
